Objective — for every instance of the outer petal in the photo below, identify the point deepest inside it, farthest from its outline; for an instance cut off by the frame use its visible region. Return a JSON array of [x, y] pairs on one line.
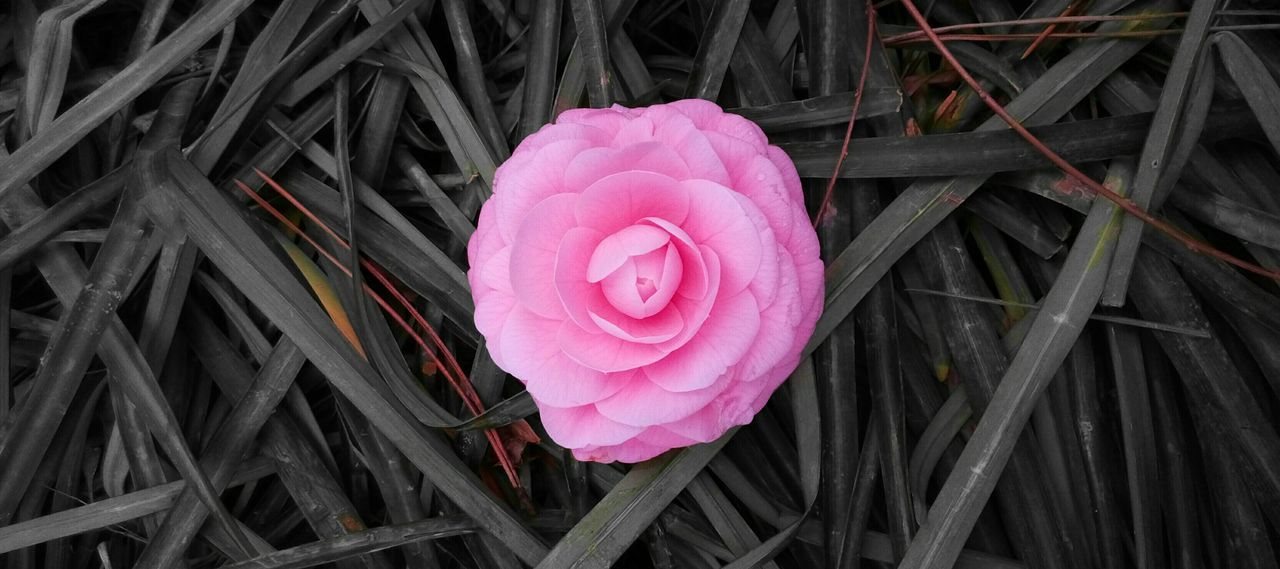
[[577, 427], [761, 182], [790, 178], [778, 327], [703, 426], [678, 132], [533, 254], [643, 403], [632, 451], [491, 315], [717, 220], [605, 352], [730, 329], [607, 121], [593, 164], [531, 354], [596, 134], [541, 176], [576, 293]]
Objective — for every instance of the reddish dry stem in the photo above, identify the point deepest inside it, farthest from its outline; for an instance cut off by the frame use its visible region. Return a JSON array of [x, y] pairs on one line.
[[1033, 21], [452, 372], [853, 116], [899, 41], [1098, 189]]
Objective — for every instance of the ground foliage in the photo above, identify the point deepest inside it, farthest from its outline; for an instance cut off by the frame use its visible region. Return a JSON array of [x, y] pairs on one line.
[[237, 330]]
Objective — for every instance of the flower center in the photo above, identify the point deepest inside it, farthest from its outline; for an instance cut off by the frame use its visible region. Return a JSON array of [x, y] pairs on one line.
[[646, 287], [638, 268]]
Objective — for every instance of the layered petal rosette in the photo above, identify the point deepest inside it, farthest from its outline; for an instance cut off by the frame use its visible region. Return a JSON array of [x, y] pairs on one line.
[[649, 274]]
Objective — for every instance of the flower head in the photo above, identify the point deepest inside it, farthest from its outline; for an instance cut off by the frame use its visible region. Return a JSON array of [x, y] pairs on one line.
[[649, 274]]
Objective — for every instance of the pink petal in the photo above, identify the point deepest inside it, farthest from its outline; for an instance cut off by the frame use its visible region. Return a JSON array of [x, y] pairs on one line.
[[622, 199], [486, 240], [703, 113], [660, 437], [696, 311], [616, 249], [496, 272], [643, 403], [763, 185], [790, 178], [764, 285], [533, 256], [782, 316], [635, 131], [491, 315], [742, 129], [703, 426], [723, 341], [659, 328], [632, 451], [604, 352], [663, 271], [718, 220], [693, 268], [596, 134], [607, 121], [532, 355], [620, 290], [595, 163], [541, 176], [576, 427], [577, 295], [678, 132], [735, 154]]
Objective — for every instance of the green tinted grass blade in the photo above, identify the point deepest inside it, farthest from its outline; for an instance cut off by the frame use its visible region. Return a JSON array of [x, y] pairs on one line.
[[1152, 163], [226, 237], [909, 217], [1051, 336], [628, 509]]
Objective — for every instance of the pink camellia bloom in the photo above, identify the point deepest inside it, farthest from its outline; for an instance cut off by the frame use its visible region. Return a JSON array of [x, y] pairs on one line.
[[649, 274]]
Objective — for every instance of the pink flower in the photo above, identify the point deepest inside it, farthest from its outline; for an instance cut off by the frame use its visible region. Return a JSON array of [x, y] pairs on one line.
[[649, 274]]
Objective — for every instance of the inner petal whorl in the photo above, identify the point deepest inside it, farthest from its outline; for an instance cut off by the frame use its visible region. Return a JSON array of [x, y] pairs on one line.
[[644, 284]]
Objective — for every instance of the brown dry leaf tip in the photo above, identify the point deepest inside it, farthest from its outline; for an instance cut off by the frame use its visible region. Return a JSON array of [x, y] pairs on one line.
[[453, 372]]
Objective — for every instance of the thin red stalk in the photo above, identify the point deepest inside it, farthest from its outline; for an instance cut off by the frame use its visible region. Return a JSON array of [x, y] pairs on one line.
[[1124, 203], [469, 397], [1015, 37], [1032, 21], [853, 115], [1071, 8]]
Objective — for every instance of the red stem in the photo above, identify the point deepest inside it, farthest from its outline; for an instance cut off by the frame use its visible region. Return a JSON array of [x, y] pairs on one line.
[[1124, 203], [853, 116]]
